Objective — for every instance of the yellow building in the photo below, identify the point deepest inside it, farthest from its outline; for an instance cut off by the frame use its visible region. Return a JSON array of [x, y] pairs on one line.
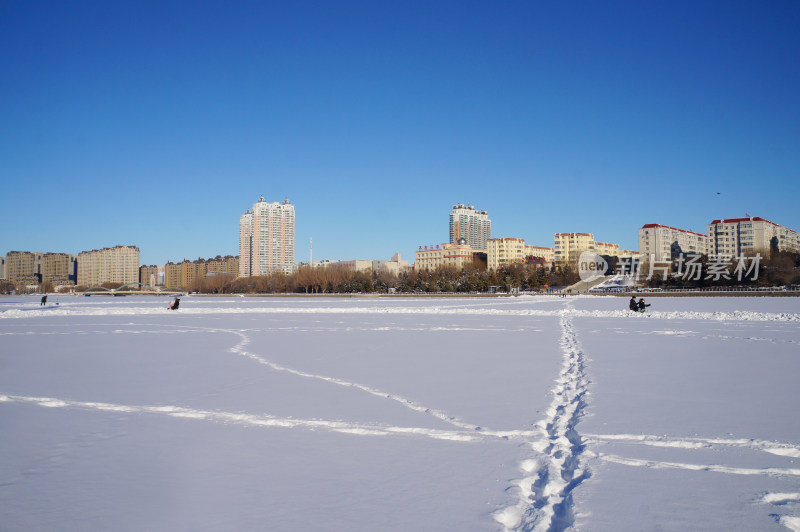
[[21, 266], [148, 275], [540, 251], [180, 275], [183, 274], [569, 246], [504, 251], [455, 255], [58, 268], [501, 252], [226, 264], [119, 265]]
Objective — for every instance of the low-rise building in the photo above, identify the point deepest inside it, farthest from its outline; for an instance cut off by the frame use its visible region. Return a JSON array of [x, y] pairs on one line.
[[454, 255], [395, 265]]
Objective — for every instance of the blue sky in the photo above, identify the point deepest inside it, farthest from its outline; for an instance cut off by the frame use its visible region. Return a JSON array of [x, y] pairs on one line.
[[157, 124]]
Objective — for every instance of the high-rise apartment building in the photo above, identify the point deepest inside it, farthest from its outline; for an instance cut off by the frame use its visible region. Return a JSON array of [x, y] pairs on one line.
[[23, 266], [59, 268], [750, 235], [119, 264], [470, 224], [266, 238], [665, 242], [26, 267], [149, 275]]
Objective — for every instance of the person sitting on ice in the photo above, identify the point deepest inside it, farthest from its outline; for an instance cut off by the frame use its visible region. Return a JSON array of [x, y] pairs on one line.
[[642, 307], [632, 304], [174, 304]]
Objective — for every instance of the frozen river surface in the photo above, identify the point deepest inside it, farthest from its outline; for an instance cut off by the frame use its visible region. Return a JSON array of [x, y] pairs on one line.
[[399, 414]]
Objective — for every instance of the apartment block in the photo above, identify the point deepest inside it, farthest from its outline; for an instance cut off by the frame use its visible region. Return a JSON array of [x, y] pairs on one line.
[[567, 248], [455, 255], [149, 275], [472, 225], [502, 252], [666, 242], [23, 267], [395, 265], [183, 274], [59, 268], [540, 252], [119, 264], [266, 238], [180, 275], [750, 235]]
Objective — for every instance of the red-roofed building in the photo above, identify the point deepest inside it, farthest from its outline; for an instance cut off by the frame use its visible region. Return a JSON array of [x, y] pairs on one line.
[[750, 235], [663, 241]]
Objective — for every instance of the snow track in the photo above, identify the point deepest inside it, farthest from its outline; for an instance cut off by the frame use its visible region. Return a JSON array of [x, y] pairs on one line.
[[408, 403], [545, 501], [263, 421], [776, 448]]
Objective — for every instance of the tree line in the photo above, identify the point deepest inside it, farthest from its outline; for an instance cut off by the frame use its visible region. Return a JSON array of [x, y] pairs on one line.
[[341, 280], [779, 269]]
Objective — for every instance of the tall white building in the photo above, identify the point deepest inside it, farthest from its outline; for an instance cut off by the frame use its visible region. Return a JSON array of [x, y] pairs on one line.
[[266, 238], [470, 224], [663, 240]]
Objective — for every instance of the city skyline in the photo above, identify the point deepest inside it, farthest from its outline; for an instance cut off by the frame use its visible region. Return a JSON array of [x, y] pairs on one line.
[[156, 126]]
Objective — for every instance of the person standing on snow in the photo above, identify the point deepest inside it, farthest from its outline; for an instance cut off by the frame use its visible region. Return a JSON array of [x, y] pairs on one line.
[[44, 301]]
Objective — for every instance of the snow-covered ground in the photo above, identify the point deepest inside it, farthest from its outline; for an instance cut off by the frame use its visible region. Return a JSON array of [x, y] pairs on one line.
[[399, 414]]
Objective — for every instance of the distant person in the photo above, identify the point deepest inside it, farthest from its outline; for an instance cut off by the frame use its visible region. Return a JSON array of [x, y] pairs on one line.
[[44, 300], [633, 305], [642, 306], [174, 305]]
